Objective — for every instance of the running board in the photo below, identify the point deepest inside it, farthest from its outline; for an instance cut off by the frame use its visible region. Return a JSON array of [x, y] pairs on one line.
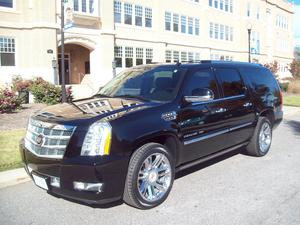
[[209, 157]]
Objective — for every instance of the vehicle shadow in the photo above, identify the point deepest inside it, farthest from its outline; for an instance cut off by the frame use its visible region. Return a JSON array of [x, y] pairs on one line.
[[95, 206], [295, 125]]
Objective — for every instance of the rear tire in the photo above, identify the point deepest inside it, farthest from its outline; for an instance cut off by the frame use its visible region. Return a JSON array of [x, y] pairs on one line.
[[261, 141], [150, 176]]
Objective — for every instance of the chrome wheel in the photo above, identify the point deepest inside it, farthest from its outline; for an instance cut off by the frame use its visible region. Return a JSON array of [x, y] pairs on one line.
[[265, 137], [154, 177]]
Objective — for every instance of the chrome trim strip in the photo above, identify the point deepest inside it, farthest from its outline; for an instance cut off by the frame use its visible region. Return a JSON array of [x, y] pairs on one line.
[[240, 126], [204, 137], [219, 100]]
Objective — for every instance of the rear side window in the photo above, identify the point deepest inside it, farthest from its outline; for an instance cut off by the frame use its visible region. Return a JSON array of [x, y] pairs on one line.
[[260, 79], [201, 78], [230, 81]]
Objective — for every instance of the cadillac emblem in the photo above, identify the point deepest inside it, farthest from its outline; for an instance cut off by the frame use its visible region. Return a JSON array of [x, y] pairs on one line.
[[39, 140]]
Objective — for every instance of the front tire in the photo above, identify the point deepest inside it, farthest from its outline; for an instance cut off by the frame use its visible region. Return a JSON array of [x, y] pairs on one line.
[[262, 138], [150, 176]]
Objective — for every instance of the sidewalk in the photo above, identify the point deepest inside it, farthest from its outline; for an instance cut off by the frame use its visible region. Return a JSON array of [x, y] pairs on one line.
[[16, 176], [13, 177]]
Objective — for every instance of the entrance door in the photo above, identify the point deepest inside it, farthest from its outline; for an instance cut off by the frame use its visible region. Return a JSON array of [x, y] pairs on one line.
[[67, 68]]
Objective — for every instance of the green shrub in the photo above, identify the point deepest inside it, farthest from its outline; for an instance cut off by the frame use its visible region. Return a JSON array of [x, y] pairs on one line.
[[45, 92], [284, 86], [9, 102]]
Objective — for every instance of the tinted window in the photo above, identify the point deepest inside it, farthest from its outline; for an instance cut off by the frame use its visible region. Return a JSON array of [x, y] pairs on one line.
[[260, 79], [158, 84], [201, 79], [231, 82]]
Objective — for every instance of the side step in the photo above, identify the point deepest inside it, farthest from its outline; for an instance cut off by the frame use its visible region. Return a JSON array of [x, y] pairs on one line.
[[209, 157]]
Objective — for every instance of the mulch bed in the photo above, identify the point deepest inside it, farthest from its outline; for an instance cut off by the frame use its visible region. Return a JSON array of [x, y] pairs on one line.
[[18, 119]]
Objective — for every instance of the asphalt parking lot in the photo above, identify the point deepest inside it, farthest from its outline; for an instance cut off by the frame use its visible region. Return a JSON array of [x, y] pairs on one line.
[[234, 189]]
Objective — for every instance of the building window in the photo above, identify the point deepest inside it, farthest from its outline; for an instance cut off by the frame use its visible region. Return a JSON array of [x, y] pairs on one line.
[[221, 4], [211, 30], [7, 51], [222, 32], [6, 3], [183, 57], [258, 13], [168, 21], [197, 26], [139, 55], [216, 31], [197, 56], [227, 33], [148, 17], [231, 33], [191, 56], [118, 56], [128, 13], [191, 25], [231, 6], [138, 15], [226, 5], [210, 3], [83, 5], [128, 56], [176, 56], [183, 24], [168, 56], [248, 9], [75, 5], [175, 22], [117, 11], [149, 55], [216, 3]]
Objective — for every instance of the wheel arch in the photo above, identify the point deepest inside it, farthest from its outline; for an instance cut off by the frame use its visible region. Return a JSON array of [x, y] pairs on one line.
[[168, 139], [269, 113]]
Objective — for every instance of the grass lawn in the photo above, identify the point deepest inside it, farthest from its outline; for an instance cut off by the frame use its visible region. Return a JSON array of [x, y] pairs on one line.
[[293, 100], [9, 149]]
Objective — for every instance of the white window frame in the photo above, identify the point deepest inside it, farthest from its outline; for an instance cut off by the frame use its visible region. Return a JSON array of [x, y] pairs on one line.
[[94, 13], [148, 15], [9, 49], [168, 19]]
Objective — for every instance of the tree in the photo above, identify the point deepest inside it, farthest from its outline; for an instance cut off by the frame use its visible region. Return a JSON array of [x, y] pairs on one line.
[[294, 68], [273, 67]]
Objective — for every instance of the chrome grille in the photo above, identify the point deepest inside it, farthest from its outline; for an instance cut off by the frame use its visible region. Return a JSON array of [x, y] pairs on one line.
[[48, 140]]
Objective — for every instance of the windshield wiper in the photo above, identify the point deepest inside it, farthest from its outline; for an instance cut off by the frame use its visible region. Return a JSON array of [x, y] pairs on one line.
[[133, 97]]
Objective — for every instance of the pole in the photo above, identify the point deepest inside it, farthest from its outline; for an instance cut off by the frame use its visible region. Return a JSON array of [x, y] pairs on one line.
[[62, 69], [249, 45]]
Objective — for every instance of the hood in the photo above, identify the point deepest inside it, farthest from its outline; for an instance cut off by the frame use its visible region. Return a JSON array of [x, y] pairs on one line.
[[92, 107]]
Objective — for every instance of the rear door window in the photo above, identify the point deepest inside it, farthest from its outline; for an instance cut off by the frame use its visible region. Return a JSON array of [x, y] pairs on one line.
[[231, 82]]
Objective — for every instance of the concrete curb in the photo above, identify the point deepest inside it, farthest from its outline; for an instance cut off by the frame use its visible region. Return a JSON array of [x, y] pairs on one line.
[[17, 176], [13, 177]]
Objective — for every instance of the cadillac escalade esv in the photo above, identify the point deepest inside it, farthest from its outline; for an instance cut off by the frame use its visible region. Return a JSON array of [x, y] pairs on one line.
[[128, 141]]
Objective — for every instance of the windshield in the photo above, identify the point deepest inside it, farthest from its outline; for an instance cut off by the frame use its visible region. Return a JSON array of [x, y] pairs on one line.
[[145, 83]]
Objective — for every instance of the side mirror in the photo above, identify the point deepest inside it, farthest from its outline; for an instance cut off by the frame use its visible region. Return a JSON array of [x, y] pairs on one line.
[[200, 95]]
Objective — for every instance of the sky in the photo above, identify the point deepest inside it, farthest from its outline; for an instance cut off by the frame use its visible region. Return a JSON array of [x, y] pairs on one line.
[[297, 22]]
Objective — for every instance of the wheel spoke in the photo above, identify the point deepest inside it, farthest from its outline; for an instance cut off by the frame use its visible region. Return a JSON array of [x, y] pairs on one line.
[[159, 186], [158, 160]]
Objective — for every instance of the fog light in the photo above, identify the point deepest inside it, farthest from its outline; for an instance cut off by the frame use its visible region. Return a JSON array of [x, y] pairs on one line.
[[80, 186], [55, 181]]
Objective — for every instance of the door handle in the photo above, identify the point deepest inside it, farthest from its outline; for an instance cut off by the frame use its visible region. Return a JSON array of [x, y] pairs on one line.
[[247, 104], [221, 110]]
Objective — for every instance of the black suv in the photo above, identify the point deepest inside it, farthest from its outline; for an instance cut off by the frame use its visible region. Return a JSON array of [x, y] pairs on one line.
[[128, 141]]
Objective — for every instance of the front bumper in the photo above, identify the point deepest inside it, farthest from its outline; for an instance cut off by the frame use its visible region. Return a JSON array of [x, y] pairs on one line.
[[111, 171]]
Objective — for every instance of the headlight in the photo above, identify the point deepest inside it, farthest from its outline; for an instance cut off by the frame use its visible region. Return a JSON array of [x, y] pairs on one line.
[[97, 140]]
